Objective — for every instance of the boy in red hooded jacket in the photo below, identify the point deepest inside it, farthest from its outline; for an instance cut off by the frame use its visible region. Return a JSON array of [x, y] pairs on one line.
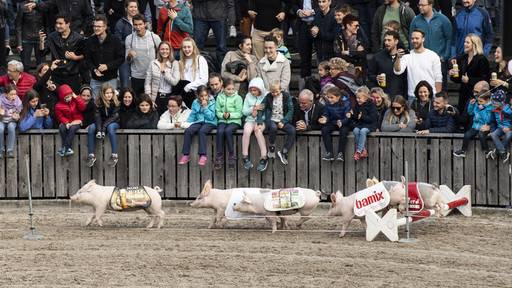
[[68, 112]]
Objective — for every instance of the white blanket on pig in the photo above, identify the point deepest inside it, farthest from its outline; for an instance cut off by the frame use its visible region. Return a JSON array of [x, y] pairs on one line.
[[236, 197]]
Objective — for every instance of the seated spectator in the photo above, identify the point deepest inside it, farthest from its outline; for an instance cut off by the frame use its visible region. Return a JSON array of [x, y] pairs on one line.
[[33, 115], [352, 46], [306, 117], [127, 108], [10, 108], [89, 114], [193, 71], [162, 74], [145, 116], [228, 107], [343, 79], [318, 87], [215, 85], [502, 81], [176, 115], [382, 102], [399, 118], [481, 110], [107, 117], [281, 48], [278, 113], [202, 121], [68, 112], [240, 65], [335, 118], [364, 118], [274, 66], [441, 119], [254, 122], [15, 75], [422, 103], [174, 24], [46, 88], [503, 117]]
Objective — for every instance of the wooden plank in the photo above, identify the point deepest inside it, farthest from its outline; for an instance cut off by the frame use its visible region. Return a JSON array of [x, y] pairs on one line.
[[385, 160], [206, 172], [327, 168], [218, 174], [255, 155], [458, 166], [36, 164], [350, 167], [122, 164], [480, 175], [133, 160], [73, 169], [85, 172], [421, 159], [194, 169], [109, 173], [278, 168], [2, 175], [231, 174], [434, 166], [158, 161], [49, 165], [338, 171], [373, 156], [492, 181], [12, 171], [170, 166], [446, 159], [302, 161], [469, 168], [504, 183], [98, 170], [182, 170], [243, 174], [314, 163], [410, 157], [397, 158], [23, 153], [146, 158], [291, 168]]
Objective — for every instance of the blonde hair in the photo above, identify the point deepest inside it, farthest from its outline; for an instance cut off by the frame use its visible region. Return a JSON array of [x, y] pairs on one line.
[[392, 118], [277, 32], [195, 55], [385, 98], [339, 63], [101, 101], [478, 47]]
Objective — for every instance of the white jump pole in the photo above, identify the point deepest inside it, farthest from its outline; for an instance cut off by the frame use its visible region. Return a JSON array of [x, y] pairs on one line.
[[389, 224], [32, 234]]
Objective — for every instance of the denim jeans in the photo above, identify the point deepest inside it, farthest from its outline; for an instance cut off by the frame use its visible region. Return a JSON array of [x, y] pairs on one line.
[[288, 128], [124, 75], [225, 130], [67, 135], [501, 146], [202, 129], [482, 136], [11, 135], [201, 29], [326, 137], [360, 137], [111, 133], [96, 86]]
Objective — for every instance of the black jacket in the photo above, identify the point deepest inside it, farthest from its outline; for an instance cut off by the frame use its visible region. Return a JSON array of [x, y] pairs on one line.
[[369, 116], [324, 41], [358, 58], [313, 114], [118, 7], [105, 116], [80, 12], [57, 47], [382, 62], [28, 24], [422, 111], [140, 120], [218, 10], [440, 122], [110, 52], [476, 71], [89, 114], [267, 11]]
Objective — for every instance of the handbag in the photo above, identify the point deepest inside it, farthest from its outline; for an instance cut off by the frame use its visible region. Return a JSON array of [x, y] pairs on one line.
[[235, 67]]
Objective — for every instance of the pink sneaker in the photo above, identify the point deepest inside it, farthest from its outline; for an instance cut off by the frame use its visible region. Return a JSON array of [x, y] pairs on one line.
[[184, 159], [364, 153], [202, 160], [357, 155]]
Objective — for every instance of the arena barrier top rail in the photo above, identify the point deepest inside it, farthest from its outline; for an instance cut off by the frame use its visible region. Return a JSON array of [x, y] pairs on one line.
[[149, 157]]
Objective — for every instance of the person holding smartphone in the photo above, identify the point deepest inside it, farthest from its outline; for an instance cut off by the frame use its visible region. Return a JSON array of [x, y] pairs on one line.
[[174, 24], [34, 115]]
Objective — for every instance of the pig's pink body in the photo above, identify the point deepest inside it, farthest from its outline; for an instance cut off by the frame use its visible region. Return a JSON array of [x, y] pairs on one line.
[[216, 199], [98, 197]]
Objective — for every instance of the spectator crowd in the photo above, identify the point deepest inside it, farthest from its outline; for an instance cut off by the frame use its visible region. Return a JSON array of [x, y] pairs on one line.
[[102, 65]]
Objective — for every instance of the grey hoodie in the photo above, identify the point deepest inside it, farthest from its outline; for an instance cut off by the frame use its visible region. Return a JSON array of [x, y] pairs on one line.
[[145, 47]]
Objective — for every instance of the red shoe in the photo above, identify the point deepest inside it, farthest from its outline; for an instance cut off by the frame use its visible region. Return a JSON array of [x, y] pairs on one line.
[[202, 160], [364, 154], [357, 155], [184, 159]]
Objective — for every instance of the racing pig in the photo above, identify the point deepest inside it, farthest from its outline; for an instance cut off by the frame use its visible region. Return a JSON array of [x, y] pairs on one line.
[[216, 199]]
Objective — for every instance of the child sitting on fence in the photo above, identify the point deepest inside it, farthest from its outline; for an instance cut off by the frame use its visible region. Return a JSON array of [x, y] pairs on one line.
[[503, 115], [145, 116], [254, 122], [10, 108], [228, 107], [279, 112], [202, 120], [365, 118], [481, 110], [68, 112], [107, 118], [33, 115], [335, 119]]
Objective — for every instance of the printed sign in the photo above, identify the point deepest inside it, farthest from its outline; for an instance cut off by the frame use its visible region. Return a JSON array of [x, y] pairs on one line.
[[415, 200], [372, 198]]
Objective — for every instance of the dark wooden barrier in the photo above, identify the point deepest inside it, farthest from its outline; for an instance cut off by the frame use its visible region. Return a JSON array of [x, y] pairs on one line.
[[150, 158]]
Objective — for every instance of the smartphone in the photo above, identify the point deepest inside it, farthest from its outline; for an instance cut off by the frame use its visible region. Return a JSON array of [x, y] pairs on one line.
[[43, 106]]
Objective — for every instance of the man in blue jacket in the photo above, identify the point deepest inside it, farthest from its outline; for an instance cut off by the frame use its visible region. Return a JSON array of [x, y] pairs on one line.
[[472, 19]]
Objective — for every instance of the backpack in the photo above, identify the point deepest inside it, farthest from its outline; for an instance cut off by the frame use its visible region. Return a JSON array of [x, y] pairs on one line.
[[213, 65]]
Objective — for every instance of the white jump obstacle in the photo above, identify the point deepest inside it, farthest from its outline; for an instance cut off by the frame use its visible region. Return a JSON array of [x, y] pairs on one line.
[[389, 224]]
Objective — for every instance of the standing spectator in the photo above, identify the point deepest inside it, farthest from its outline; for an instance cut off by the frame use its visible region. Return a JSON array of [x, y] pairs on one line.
[[128, 106], [79, 12], [503, 80], [421, 64], [351, 44], [364, 9], [305, 11], [399, 118], [66, 46], [242, 15], [33, 115], [141, 48], [324, 31], [174, 24], [69, 115], [335, 118], [472, 19], [148, 9], [10, 108], [114, 10], [3, 28], [391, 10], [278, 113], [124, 27], [193, 71], [306, 118], [382, 102], [216, 15], [23, 81], [103, 56], [176, 115], [240, 65], [163, 73], [440, 119], [274, 66], [380, 68], [422, 104], [438, 33], [228, 107], [365, 119], [28, 25], [267, 15], [144, 116], [473, 67]]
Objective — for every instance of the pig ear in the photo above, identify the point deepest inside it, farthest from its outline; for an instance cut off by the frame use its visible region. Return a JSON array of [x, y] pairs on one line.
[[375, 180], [333, 198], [369, 182], [207, 187], [403, 179], [93, 181], [245, 198]]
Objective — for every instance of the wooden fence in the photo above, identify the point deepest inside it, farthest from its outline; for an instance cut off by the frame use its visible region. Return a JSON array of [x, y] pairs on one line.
[[150, 158]]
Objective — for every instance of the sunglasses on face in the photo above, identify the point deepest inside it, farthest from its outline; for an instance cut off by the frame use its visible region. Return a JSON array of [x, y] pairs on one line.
[[396, 108]]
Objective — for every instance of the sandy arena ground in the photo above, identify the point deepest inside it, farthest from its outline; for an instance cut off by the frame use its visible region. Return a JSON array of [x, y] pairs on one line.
[[451, 252]]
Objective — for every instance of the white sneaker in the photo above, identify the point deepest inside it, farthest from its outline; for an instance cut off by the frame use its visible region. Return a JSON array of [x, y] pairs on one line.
[[232, 32]]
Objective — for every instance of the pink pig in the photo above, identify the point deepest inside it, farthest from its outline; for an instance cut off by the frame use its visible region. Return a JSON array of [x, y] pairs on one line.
[[216, 199], [98, 197]]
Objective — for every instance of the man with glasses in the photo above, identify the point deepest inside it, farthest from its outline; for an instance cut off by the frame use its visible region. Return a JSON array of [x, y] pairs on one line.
[[104, 54], [15, 75], [306, 118], [438, 33]]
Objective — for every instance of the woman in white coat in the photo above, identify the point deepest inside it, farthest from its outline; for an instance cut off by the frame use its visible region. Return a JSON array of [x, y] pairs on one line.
[[176, 115]]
